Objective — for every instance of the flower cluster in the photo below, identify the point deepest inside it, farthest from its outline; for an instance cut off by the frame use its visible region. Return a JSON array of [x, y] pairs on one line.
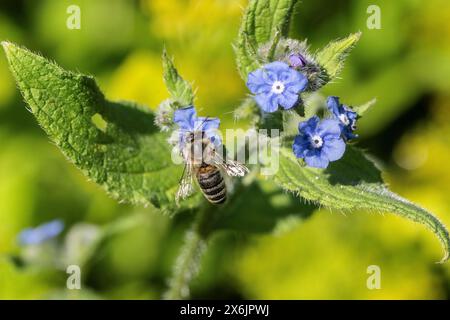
[[296, 54], [280, 83]]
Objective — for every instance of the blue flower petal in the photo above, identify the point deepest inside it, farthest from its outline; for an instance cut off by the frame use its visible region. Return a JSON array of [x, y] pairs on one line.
[[333, 149], [185, 118], [288, 100], [53, 228], [214, 136], [257, 82], [348, 134], [309, 126], [188, 121], [351, 115], [341, 112], [317, 161], [275, 69], [205, 123], [329, 127], [41, 233], [300, 146], [210, 127], [297, 82], [28, 236], [333, 105], [268, 103]]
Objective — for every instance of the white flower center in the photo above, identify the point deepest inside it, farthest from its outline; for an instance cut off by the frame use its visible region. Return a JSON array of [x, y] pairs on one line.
[[317, 141], [344, 119], [278, 87]]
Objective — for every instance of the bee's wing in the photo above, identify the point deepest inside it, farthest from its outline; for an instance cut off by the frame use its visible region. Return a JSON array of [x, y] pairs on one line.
[[231, 167], [186, 187]]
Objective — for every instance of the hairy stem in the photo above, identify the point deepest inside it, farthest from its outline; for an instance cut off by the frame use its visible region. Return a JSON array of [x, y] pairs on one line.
[[187, 264], [188, 261]]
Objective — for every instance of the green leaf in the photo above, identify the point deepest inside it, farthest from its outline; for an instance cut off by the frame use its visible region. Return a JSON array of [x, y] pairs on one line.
[[262, 20], [352, 183], [247, 110], [273, 46], [115, 144], [247, 58], [332, 57], [313, 104], [180, 90], [260, 207], [361, 109]]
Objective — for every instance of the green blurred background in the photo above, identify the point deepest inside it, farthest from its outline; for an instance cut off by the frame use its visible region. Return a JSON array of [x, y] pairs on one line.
[[405, 65]]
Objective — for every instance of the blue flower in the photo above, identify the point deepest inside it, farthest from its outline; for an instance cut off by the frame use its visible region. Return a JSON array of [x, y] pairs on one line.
[[276, 84], [346, 116], [187, 121], [41, 233], [319, 142]]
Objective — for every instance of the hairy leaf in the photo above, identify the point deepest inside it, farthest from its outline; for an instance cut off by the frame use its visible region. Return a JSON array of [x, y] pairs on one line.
[[247, 110], [352, 183], [332, 57], [361, 109], [262, 20], [246, 57], [260, 207], [273, 46], [114, 144], [180, 90]]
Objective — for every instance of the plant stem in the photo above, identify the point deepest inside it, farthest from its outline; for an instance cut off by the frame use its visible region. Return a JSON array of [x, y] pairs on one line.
[[187, 264], [188, 261]]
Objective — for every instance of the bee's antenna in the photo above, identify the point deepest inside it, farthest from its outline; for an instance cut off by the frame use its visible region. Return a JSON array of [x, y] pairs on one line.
[[201, 124]]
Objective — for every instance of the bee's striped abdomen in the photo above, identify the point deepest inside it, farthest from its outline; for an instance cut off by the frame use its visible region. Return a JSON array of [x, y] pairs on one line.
[[212, 184]]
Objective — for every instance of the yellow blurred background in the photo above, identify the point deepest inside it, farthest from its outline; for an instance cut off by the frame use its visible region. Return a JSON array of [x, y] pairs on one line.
[[405, 65]]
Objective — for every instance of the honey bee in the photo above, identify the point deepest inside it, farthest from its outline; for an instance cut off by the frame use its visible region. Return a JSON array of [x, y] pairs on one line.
[[204, 162]]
